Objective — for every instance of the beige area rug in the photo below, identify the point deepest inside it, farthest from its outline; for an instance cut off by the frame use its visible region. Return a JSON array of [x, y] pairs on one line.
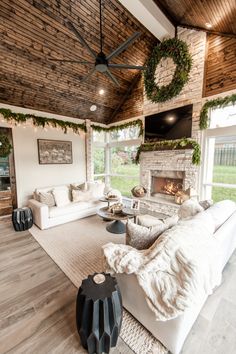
[[76, 248]]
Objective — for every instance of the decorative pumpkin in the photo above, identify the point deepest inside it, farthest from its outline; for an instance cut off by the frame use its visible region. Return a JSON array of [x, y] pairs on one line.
[[139, 191], [113, 194]]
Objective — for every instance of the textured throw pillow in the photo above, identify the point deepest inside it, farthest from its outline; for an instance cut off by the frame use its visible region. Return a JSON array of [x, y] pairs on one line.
[[206, 203], [61, 196], [80, 187], [148, 220], [189, 208], [141, 237], [46, 198], [80, 196]]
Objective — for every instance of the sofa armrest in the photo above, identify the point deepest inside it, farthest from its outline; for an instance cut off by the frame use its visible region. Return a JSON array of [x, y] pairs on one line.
[[40, 213]]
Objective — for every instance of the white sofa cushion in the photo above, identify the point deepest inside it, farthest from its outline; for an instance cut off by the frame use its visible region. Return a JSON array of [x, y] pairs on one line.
[[69, 209], [61, 196], [96, 188]]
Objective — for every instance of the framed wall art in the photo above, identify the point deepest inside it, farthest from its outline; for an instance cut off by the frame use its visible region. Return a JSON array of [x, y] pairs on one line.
[[54, 152]]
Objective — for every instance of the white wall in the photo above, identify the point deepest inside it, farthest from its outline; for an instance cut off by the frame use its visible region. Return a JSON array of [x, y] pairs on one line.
[[29, 173]]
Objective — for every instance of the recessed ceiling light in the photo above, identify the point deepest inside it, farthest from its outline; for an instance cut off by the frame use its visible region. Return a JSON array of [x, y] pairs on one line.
[[93, 108], [101, 92], [208, 25]]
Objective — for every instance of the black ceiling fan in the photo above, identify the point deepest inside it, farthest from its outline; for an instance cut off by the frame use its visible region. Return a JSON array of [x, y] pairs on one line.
[[101, 61]]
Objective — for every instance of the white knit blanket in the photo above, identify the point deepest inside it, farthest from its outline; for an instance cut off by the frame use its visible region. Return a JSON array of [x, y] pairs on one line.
[[176, 271]]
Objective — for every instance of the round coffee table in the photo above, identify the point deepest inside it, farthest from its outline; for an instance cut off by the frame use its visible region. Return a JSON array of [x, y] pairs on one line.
[[117, 226]]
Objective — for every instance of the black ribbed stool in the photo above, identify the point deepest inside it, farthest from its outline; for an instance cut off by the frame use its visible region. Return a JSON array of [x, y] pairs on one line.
[[99, 313], [22, 219]]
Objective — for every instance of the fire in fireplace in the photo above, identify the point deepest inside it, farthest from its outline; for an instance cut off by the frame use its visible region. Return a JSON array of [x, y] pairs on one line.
[[166, 185]]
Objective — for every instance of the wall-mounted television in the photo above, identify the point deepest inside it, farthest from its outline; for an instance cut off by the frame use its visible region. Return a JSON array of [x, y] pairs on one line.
[[169, 125]]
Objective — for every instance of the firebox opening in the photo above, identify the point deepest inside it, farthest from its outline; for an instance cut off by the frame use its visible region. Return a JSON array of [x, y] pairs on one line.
[[166, 185]]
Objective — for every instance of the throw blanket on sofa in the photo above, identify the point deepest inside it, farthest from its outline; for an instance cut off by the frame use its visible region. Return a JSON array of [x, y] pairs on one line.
[[176, 271]]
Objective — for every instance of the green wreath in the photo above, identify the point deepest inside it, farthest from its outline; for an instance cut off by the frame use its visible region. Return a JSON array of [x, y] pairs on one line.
[[5, 146], [177, 50]]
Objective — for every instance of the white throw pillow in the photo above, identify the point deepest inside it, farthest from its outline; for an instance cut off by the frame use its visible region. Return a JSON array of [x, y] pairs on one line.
[[61, 196], [96, 189], [80, 196], [189, 208]]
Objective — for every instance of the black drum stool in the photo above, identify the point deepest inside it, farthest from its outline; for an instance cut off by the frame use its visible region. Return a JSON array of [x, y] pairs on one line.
[[99, 313], [22, 219]]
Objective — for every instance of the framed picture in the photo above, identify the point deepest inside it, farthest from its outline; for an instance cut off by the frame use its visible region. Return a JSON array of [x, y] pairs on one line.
[[54, 152], [135, 204]]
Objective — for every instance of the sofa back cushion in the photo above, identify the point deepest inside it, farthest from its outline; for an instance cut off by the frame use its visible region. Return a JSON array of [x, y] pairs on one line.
[[221, 211]]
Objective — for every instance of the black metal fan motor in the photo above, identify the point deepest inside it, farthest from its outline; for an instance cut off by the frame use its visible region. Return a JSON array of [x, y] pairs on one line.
[[101, 61]]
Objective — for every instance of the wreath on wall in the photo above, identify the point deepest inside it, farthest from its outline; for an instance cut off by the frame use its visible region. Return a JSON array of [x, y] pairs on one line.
[[5, 146], [177, 50]]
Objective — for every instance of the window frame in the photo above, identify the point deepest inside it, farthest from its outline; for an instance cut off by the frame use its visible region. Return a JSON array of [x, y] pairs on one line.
[[206, 173], [108, 145]]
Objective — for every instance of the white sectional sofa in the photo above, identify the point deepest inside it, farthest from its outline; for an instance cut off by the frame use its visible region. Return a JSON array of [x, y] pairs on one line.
[[172, 333], [46, 217]]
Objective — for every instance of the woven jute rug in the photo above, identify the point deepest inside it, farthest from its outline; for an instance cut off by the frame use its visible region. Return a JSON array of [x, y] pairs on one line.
[[76, 248]]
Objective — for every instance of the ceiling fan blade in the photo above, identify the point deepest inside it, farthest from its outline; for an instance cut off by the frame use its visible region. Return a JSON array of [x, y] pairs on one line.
[[71, 27], [72, 61], [85, 78], [123, 46], [125, 66], [111, 77]]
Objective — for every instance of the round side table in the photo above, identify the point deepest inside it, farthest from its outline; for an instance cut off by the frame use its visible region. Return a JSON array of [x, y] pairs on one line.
[[99, 313], [22, 219]]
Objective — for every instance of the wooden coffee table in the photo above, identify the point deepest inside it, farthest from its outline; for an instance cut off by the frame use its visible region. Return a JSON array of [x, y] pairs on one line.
[[116, 226]]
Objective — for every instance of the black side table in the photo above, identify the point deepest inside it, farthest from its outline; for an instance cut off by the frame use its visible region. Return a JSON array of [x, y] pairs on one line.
[[22, 219], [99, 313]]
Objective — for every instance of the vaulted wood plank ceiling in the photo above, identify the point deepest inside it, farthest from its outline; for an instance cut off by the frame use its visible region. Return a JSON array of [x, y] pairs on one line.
[[220, 14], [33, 32]]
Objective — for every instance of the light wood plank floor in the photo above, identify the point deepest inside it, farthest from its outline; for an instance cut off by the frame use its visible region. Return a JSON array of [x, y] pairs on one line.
[[37, 301]]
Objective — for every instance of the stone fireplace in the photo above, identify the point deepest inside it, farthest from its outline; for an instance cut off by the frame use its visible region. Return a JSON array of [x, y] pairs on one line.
[[163, 173]]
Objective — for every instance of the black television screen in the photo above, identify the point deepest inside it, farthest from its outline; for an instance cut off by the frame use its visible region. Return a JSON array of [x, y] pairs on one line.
[[169, 125]]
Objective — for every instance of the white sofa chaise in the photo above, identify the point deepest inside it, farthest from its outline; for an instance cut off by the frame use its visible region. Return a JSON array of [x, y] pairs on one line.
[[172, 333], [46, 217]]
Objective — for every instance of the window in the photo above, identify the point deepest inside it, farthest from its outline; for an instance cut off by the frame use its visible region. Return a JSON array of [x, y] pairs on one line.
[[219, 178], [113, 158]]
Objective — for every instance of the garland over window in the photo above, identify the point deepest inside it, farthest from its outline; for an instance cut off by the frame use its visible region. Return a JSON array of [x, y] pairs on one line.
[[42, 122], [5, 146], [172, 144], [177, 50], [215, 103], [116, 128]]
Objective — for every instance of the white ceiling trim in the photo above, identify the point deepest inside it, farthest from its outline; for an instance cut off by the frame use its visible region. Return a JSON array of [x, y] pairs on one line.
[[149, 14]]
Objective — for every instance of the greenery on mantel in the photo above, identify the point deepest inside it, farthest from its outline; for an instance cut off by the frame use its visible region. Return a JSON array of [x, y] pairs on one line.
[[5, 146], [172, 145], [118, 127], [215, 103], [20, 118], [170, 48]]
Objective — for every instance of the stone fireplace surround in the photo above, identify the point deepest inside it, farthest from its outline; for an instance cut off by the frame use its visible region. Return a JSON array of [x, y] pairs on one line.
[[169, 163]]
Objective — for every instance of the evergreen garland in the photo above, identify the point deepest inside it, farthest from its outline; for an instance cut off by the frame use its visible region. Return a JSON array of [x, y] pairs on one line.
[[18, 118], [116, 128], [172, 144], [177, 50], [5, 146], [215, 103]]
